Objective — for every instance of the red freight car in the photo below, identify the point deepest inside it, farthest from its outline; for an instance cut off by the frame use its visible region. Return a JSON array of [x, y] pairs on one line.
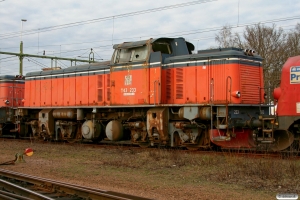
[[155, 92]]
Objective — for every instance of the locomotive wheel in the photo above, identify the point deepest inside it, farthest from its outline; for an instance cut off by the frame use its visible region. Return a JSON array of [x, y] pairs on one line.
[[59, 135], [192, 148], [72, 140], [95, 141], [37, 137], [40, 139], [292, 151], [177, 141], [144, 145], [77, 137]]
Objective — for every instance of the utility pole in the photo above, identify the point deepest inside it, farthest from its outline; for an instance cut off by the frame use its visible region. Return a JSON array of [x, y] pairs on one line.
[[21, 59], [21, 50], [22, 55]]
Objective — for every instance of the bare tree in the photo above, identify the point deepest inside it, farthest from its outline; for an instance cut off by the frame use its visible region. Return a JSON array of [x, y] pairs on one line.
[[293, 42], [225, 38], [270, 43]]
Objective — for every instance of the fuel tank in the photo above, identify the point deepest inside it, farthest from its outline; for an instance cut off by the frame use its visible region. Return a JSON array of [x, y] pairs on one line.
[[114, 130], [91, 130], [65, 113]]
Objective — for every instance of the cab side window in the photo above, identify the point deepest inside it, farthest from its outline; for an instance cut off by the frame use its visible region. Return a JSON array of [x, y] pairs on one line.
[[163, 47], [130, 54]]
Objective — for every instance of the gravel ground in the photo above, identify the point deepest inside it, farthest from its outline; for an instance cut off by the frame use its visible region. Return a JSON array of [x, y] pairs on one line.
[[162, 175]]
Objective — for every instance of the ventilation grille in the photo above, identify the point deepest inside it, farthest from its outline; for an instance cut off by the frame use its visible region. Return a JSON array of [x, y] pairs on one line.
[[100, 82], [179, 75], [179, 91], [169, 76], [100, 88], [250, 85], [108, 80], [169, 82], [168, 92], [100, 95], [179, 83], [108, 94]]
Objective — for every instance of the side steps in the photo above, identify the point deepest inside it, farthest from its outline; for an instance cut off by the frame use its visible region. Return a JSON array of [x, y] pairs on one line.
[[267, 130]]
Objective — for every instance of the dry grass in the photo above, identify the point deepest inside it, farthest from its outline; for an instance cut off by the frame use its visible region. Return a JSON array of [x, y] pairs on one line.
[[160, 173], [258, 173]]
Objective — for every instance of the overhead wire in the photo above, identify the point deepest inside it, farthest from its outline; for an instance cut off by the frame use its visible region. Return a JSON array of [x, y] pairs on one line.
[[204, 30], [153, 10], [57, 52], [51, 28], [181, 33], [62, 63], [7, 57], [35, 62], [98, 55], [10, 59]]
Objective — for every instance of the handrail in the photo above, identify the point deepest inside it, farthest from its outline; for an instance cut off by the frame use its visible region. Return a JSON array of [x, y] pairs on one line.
[[156, 81], [211, 90], [228, 78]]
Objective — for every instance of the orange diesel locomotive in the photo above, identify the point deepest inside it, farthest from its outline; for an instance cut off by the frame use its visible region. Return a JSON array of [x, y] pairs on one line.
[[155, 92], [11, 96]]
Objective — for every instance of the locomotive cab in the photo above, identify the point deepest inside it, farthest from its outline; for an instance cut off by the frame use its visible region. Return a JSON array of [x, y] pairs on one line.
[[140, 51]]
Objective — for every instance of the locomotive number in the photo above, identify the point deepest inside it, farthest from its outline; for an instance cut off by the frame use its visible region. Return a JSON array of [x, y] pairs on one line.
[[128, 91], [236, 112], [132, 89]]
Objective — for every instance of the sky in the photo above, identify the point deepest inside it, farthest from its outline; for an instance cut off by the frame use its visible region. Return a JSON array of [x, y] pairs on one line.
[[71, 28]]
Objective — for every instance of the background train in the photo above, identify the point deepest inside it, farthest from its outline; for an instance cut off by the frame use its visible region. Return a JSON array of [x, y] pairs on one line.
[[157, 93], [11, 97]]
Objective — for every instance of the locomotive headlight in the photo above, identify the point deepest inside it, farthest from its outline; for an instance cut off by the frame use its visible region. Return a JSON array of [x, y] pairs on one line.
[[249, 52], [277, 93], [19, 77], [265, 96], [236, 94]]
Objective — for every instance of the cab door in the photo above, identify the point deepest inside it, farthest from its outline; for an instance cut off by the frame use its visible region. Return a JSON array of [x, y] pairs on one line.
[[130, 76], [155, 71]]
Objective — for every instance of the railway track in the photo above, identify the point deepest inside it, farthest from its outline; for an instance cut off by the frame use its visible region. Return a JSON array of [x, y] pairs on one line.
[[223, 152], [248, 153], [17, 186]]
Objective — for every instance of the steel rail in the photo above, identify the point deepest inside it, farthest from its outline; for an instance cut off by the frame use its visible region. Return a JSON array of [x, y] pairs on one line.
[[71, 189], [21, 190], [223, 151], [251, 153], [8, 195], [5, 197]]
